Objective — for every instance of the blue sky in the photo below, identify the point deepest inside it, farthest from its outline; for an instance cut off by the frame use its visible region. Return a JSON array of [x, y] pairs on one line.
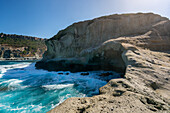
[[44, 18]]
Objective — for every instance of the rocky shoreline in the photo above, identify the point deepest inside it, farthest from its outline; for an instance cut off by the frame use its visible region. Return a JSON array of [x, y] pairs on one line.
[[134, 44], [145, 88], [21, 59]]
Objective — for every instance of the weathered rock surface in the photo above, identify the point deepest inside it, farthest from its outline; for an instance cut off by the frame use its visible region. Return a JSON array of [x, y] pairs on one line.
[[95, 44], [135, 44]]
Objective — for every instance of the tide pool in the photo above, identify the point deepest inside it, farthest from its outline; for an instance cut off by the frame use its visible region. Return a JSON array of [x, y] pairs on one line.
[[24, 89]]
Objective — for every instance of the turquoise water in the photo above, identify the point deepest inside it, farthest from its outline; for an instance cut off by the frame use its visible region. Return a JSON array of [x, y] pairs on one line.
[[24, 89]]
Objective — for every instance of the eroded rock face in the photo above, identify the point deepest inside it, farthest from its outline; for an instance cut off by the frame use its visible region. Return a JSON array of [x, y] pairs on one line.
[[123, 43], [89, 45], [103, 57]]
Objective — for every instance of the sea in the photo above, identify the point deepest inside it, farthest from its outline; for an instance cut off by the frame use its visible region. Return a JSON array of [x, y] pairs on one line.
[[25, 89]]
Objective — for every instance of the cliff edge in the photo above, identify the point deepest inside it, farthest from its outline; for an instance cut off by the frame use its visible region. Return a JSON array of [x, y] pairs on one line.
[[134, 44]]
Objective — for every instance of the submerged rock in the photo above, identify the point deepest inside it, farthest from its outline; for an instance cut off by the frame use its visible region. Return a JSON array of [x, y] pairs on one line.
[[3, 88], [67, 73], [106, 74], [84, 74]]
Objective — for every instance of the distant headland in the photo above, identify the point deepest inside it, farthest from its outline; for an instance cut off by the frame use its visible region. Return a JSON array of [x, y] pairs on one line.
[[18, 47]]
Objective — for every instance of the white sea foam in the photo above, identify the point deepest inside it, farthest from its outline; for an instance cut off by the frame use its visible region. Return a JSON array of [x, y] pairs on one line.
[[16, 109], [4, 106], [36, 108], [11, 81], [2, 72], [59, 86], [4, 68], [13, 84]]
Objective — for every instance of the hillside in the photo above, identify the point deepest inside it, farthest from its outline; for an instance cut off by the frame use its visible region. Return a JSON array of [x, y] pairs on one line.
[[17, 46]]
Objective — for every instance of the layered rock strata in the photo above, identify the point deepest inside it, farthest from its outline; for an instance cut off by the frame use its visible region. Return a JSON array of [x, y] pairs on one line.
[[135, 44]]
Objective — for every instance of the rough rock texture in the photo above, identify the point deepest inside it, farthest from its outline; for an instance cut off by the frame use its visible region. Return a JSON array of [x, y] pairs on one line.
[[136, 44], [87, 45], [145, 88]]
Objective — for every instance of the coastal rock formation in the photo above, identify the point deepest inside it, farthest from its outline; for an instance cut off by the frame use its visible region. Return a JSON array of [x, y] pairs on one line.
[[15, 47], [145, 88], [134, 44], [95, 44]]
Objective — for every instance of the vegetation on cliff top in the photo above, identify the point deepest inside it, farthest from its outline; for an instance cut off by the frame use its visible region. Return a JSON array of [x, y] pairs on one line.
[[32, 44]]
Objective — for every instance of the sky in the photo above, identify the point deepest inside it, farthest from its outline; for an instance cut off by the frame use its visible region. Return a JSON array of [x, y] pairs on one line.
[[44, 18]]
